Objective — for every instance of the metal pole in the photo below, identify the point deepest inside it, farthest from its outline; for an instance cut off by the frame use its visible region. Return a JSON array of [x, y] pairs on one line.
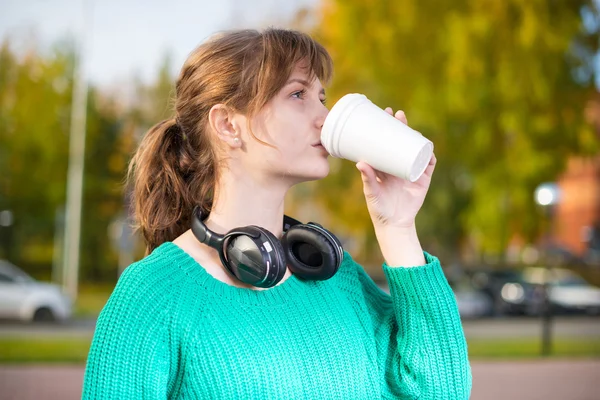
[[57, 256], [76, 161], [547, 318], [546, 348]]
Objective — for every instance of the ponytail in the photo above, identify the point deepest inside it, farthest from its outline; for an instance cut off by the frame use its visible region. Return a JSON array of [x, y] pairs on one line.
[[170, 174]]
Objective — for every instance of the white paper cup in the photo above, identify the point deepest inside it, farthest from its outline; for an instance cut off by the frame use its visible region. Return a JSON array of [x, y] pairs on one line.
[[358, 130]]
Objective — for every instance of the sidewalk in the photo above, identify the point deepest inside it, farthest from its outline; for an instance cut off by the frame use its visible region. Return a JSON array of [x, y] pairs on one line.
[[514, 380], [536, 380]]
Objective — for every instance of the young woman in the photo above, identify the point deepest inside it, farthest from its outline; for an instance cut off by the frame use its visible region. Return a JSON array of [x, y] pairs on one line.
[[272, 311]]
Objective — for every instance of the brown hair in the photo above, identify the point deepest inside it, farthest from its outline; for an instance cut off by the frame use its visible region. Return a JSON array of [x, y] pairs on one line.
[[175, 167]]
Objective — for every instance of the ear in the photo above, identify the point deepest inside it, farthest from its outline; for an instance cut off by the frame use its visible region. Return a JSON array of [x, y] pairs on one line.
[[222, 121]]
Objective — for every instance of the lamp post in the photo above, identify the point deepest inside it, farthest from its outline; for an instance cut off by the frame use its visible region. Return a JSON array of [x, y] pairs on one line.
[[6, 222], [546, 196], [77, 132]]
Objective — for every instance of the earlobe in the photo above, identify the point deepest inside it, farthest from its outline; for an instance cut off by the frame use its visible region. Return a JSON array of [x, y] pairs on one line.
[[221, 122]]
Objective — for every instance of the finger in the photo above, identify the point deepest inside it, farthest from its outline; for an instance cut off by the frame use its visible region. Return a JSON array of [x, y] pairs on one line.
[[389, 110], [433, 159], [371, 173], [369, 178], [380, 176], [431, 166], [401, 116], [366, 171]]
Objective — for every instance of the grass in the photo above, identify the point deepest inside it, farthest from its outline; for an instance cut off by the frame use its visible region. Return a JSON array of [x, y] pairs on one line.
[[531, 347], [38, 350], [75, 350]]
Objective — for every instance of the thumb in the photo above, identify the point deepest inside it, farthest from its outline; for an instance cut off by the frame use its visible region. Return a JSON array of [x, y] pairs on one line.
[[370, 184]]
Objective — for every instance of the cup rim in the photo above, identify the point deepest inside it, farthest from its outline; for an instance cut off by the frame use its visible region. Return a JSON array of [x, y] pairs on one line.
[[335, 121]]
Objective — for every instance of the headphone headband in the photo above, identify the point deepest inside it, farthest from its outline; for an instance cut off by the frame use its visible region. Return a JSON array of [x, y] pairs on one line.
[[201, 231]]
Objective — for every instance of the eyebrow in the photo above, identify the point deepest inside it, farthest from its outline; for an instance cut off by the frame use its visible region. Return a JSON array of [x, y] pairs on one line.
[[303, 82]]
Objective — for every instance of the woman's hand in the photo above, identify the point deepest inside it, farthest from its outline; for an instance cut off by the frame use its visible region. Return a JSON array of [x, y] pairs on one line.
[[393, 204], [394, 201]]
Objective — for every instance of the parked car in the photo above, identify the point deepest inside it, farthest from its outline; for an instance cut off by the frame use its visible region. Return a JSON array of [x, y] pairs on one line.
[[26, 299], [508, 291], [567, 291], [471, 301]]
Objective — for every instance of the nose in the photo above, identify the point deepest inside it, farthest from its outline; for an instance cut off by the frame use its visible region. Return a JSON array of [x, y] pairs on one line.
[[322, 114]]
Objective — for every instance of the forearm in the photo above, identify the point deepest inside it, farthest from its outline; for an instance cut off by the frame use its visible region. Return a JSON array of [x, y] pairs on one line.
[[431, 359], [400, 246]]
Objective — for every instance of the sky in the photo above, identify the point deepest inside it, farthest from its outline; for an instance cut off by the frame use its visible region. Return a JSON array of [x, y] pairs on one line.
[[131, 38], [125, 38]]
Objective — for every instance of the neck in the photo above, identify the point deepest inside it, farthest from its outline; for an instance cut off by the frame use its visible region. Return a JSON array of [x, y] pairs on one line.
[[242, 201]]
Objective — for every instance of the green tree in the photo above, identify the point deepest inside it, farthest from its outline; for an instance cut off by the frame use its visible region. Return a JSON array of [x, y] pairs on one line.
[[35, 106], [34, 118], [107, 150], [499, 86]]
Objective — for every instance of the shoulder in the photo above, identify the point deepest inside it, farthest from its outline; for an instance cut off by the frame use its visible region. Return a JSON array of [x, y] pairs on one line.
[[352, 277], [358, 286], [152, 273], [350, 269], [152, 284]]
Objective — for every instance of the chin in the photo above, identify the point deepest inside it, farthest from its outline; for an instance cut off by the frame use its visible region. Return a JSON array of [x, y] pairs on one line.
[[317, 172], [314, 172]]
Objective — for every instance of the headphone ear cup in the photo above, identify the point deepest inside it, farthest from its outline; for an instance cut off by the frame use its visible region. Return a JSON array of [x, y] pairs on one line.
[[312, 252], [254, 256]]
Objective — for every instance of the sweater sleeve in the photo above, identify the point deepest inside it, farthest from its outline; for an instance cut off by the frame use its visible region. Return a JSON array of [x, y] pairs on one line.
[[129, 354], [421, 348]]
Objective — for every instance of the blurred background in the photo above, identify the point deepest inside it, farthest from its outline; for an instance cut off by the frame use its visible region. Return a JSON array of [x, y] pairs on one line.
[[509, 92]]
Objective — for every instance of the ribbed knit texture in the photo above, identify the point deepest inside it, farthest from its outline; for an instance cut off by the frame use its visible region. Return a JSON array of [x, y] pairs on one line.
[[171, 330]]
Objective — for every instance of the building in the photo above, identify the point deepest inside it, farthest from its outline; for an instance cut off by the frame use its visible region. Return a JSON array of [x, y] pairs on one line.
[[577, 215]]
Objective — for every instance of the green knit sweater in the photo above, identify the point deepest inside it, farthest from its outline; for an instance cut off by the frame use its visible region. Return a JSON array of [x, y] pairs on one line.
[[171, 330]]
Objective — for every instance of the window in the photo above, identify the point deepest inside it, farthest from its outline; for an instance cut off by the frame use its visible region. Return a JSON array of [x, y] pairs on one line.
[[6, 278]]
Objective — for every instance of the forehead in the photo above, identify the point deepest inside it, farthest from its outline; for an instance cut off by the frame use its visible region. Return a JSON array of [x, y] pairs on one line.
[[302, 72]]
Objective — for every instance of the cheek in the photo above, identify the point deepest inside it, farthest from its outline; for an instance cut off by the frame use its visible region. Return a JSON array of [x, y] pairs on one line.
[[287, 134], [287, 130]]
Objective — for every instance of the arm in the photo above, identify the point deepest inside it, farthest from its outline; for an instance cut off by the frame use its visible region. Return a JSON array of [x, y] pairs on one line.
[[421, 345], [129, 355], [421, 348]]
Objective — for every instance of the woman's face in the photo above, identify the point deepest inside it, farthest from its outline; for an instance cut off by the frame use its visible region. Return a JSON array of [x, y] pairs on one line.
[[291, 122]]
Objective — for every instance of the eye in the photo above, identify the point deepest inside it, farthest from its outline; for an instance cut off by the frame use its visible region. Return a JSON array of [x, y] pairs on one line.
[[324, 101], [299, 94]]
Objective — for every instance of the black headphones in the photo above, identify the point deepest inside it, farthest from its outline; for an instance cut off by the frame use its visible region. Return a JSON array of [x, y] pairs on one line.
[[255, 256]]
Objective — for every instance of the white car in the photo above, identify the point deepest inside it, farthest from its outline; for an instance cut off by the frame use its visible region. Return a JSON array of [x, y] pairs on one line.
[[25, 299], [568, 291]]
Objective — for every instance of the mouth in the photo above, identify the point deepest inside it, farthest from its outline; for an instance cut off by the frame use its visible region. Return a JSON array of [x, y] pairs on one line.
[[319, 146]]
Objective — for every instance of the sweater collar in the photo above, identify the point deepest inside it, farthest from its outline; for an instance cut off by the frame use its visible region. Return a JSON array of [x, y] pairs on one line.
[[279, 294]]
